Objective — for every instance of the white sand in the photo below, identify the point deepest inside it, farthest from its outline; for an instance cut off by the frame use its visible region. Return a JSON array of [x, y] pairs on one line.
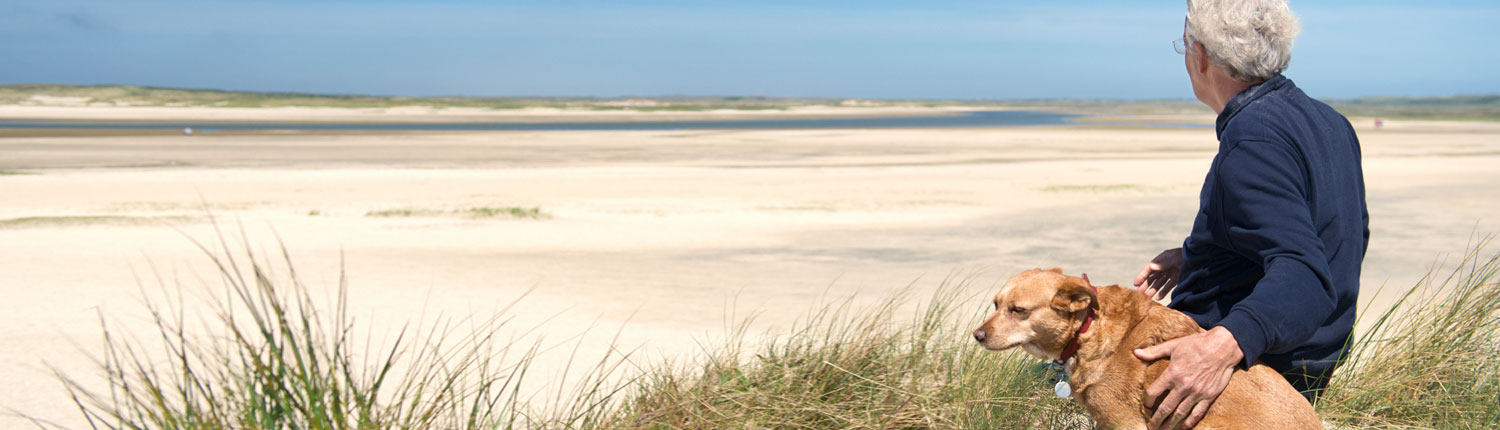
[[658, 231]]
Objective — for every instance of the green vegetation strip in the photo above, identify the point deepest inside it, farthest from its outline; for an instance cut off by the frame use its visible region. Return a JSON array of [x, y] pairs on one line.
[[270, 358], [1098, 188], [128, 95], [1462, 107], [1466, 107], [475, 212], [84, 220]]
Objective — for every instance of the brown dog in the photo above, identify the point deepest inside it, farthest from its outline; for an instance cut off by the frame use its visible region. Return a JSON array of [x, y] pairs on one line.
[[1042, 311]]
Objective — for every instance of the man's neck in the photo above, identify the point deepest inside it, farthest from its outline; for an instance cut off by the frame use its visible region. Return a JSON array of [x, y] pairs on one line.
[[1223, 88]]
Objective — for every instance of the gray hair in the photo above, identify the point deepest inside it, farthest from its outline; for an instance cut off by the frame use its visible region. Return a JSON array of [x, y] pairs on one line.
[[1250, 39]]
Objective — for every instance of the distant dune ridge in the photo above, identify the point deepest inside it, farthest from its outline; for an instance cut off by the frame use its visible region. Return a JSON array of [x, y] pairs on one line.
[[1459, 107]]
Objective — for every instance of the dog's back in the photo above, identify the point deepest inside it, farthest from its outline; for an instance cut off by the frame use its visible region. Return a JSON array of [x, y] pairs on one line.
[[1257, 398], [1043, 312]]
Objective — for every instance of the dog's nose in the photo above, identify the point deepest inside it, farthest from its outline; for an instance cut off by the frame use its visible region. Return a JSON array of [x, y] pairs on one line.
[[979, 335]]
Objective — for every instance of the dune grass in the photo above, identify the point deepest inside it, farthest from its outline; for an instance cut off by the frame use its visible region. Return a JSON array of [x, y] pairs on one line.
[[846, 367], [276, 361], [268, 357], [1433, 361]]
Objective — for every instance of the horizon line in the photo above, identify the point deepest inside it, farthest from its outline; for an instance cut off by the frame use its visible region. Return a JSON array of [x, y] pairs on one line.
[[696, 96]]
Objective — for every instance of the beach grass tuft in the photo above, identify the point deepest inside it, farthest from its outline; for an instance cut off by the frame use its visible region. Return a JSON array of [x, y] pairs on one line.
[[404, 212], [85, 220], [506, 212], [1098, 188], [269, 357], [1433, 359], [266, 355], [890, 365], [482, 212]]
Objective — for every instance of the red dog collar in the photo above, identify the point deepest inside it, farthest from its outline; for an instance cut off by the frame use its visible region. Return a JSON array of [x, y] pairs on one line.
[[1072, 347]]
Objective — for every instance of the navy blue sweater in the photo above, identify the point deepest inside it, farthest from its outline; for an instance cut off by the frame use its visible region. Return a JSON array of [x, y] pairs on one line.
[[1281, 230]]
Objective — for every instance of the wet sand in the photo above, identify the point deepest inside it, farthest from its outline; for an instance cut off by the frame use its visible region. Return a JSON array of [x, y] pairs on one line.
[[661, 232]]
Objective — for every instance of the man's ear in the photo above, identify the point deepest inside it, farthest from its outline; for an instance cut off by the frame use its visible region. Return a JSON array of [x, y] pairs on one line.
[[1075, 295], [1202, 62]]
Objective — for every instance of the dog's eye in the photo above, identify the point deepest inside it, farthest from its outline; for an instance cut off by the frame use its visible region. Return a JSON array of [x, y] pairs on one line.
[[1017, 310]]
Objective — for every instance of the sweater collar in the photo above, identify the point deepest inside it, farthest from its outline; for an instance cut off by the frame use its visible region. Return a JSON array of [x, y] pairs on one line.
[[1244, 98]]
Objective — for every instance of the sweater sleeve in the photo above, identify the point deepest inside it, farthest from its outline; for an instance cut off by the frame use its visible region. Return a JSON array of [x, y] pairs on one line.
[[1266, 219]]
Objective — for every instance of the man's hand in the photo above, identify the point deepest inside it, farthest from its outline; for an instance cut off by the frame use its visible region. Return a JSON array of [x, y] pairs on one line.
[[1199, 371], [1160, 275]]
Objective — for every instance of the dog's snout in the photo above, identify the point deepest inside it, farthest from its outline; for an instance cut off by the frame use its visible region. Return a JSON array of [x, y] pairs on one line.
[[979, 335]]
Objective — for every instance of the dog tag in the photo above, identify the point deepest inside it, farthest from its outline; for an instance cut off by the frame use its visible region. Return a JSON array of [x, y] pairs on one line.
[[1062, 389]]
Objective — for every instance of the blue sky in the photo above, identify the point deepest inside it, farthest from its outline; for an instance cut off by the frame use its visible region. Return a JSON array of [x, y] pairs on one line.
[[865, 48]]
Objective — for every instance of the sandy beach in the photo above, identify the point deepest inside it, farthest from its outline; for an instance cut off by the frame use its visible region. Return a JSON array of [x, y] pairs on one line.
[[663, 233]]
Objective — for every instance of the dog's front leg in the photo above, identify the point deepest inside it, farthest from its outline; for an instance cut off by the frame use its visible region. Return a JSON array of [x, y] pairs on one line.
[[1112, 412], [1136, 424]]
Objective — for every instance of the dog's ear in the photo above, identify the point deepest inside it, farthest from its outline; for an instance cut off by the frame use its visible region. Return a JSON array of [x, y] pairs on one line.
[[1075, 295], [1057, 270]]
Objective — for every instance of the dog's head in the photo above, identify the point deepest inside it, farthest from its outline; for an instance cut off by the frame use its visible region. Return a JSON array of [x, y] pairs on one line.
[[1039, 311]]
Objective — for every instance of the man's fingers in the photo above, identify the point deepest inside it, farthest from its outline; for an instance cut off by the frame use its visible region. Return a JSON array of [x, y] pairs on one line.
[[1154, 391], [1155, 285], [1199, 411], [1151, 270], [1180, 416], [1157, 352], [1162, 285], [1158, 387], [1166, 409]]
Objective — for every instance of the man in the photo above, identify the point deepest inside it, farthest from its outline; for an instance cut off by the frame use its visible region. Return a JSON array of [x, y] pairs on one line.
[[1271, 267]]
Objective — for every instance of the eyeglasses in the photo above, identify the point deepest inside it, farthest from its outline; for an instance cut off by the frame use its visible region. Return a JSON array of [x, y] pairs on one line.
[[1182, 45]]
